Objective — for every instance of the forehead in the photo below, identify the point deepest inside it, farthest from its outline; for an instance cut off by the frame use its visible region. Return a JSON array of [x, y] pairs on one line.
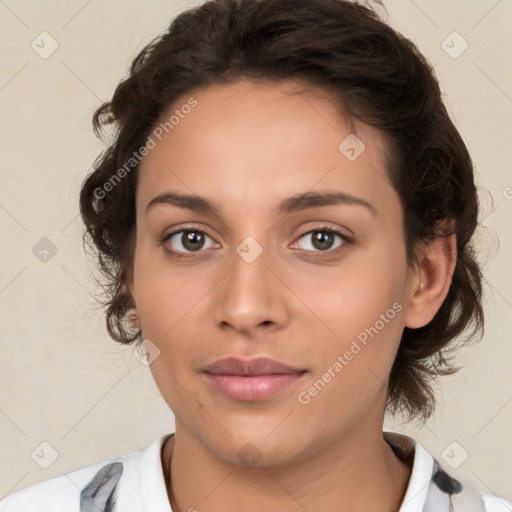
[[259, 141]]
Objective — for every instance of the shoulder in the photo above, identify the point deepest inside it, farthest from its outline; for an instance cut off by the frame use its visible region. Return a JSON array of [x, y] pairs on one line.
[[94, 488], [56, 494], [447, 493], [432, 488], [495, 503]]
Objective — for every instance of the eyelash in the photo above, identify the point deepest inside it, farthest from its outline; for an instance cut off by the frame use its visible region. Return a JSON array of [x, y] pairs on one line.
[[194, 229]]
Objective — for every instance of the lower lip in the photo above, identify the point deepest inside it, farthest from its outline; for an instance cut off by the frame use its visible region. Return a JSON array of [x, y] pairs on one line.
[[251, 389]]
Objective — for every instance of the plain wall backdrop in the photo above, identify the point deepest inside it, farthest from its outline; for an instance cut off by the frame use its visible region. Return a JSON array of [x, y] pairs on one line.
[[64, 382]]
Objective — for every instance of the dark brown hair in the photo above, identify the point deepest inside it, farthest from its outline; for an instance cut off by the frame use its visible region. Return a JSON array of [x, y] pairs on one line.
[[378, 76]]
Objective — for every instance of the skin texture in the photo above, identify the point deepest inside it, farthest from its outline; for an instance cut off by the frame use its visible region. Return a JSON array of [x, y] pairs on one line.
[[247, 146]]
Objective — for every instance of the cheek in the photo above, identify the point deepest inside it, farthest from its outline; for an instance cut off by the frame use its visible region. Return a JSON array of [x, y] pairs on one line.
[[360, 307], [354, 363], [163, 297], [169, 299], [354, 295]]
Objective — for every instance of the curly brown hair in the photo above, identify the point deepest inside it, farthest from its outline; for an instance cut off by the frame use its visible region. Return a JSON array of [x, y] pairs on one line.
[[377, 75]]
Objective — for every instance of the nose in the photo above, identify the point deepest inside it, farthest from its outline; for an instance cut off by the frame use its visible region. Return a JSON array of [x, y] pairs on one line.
[[251, 298]]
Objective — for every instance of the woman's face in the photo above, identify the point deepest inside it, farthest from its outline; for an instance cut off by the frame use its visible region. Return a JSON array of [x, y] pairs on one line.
[[266, 275]]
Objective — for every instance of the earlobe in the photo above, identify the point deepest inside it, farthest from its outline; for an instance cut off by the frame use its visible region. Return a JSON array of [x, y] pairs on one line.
[[431, 281], [132, 319]]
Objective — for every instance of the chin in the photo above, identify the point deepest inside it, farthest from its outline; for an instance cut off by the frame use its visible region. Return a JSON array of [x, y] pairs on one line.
[[255, 448]]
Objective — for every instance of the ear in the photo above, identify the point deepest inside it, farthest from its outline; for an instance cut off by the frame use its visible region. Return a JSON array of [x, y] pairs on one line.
[[430, 280]]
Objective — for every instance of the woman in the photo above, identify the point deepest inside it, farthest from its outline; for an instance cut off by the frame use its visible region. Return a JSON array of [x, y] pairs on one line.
[[285, 219]]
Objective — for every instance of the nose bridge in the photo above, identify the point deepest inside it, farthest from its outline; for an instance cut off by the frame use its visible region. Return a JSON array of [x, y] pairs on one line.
[[250, 294]]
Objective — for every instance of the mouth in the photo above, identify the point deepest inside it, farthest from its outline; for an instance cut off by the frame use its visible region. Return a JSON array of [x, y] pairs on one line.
[[251, 380]]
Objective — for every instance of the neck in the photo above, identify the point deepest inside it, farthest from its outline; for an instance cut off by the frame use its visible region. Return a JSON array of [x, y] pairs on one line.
[[357, 472]]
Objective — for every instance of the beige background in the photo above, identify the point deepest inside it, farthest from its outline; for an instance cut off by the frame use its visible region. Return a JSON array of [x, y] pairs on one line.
[[63, 380]]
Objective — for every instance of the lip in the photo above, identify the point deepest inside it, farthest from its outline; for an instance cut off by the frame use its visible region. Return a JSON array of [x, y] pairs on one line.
[[246, 367], [251, 380]]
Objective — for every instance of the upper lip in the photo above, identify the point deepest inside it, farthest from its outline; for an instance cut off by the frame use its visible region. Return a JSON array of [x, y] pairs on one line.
[[256, 366]]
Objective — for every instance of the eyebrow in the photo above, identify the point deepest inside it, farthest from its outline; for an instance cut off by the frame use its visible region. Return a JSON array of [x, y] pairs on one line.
[[291, 204]]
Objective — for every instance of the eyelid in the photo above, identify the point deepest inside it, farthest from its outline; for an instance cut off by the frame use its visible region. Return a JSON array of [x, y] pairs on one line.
[[187, 227]]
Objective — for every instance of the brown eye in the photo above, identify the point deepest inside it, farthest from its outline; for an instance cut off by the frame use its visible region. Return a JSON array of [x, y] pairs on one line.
[[323, 240], [187, 241], [192, 240]]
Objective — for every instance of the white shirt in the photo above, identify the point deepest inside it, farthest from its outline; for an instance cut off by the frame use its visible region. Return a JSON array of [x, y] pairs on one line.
[[140, 486]]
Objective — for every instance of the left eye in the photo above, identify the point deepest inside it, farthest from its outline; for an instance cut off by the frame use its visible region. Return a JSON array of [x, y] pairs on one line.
[[323, 239], [188, 240]]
